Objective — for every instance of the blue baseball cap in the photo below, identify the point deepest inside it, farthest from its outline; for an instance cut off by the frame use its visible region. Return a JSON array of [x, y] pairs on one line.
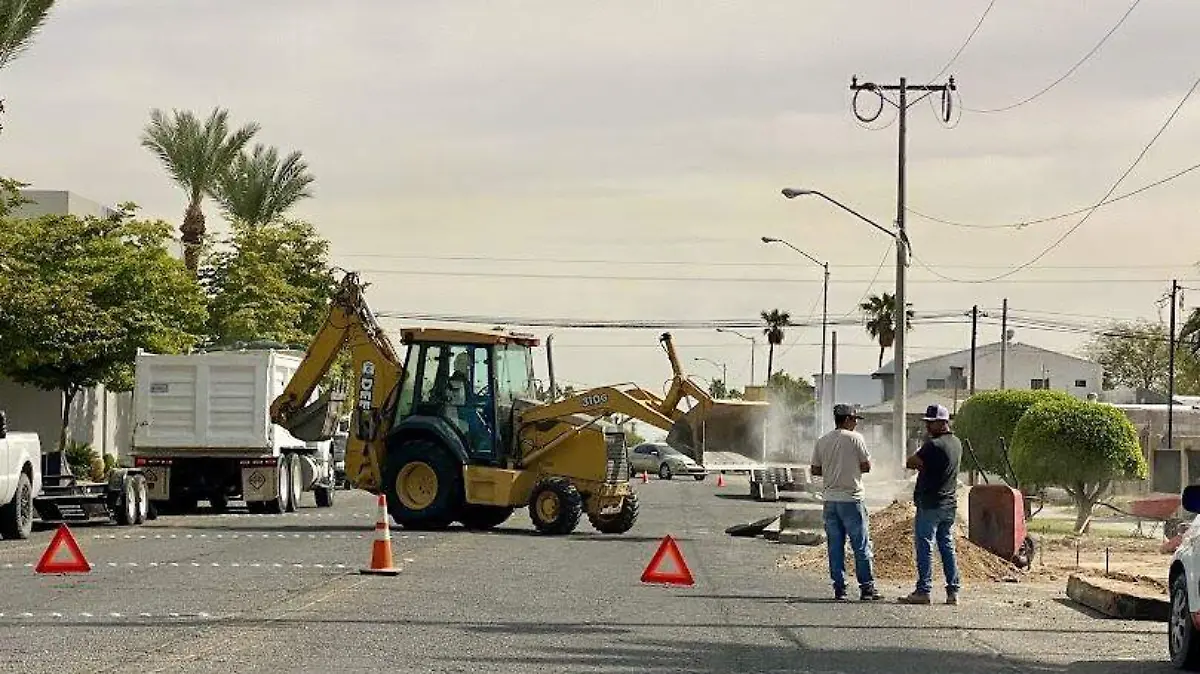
[[937, 413]]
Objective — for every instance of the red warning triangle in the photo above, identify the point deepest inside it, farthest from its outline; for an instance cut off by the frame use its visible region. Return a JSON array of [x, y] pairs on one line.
[[76, 562], [655, 573]]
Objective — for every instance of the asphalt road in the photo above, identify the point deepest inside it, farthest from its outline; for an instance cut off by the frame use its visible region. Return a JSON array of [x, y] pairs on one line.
[[241, 593]]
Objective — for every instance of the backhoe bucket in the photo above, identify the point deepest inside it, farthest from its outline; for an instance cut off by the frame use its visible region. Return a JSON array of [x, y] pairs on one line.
[[317, 422], [737, 426]]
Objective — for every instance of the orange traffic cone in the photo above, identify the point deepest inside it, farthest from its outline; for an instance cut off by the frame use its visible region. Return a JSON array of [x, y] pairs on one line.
[[720, 479], [381, 548]]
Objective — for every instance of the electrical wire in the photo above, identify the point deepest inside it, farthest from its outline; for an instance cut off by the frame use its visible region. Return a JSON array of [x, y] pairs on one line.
[[1070, 71], [1025, 223], [1146, 149], [970, 36]]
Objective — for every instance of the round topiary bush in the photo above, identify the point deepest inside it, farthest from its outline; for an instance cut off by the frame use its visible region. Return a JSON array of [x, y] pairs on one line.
[[1079, 446], [988, 416]]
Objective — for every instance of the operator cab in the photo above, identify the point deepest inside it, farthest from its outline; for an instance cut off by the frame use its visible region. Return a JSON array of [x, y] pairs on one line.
[[466, 383]]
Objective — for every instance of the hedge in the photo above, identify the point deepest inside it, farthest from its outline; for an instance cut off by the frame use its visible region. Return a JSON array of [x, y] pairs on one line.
[[987, 416], [1073, 443]]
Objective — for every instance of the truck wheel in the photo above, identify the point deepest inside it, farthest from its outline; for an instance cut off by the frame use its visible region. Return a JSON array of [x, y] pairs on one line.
[[283, 489], [219, 502], [295, 487], [555, 506], [482, 517], [141, 496], [16, 517], [127, 506], [324, 496], [619, 522], [424, 485]]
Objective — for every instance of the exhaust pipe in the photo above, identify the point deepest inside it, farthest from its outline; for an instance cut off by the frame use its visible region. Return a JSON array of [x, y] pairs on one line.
[[550, 367]]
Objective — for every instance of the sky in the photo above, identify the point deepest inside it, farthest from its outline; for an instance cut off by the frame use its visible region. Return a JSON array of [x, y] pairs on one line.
[[621, 160]]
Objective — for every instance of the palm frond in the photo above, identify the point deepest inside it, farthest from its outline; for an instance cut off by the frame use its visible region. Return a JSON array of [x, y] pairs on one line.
[[20, 22], [195, 153], [258, 188]]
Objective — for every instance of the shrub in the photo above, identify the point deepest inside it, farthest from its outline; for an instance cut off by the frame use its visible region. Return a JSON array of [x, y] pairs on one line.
[[1081, 447], [987, 416]]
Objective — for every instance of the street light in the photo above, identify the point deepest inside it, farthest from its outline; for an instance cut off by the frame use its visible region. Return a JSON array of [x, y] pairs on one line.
[[753, 348], [724, 370], [899, 411], [824, 324]]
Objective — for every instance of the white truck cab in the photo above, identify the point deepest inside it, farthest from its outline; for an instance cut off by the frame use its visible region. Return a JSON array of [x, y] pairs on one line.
[[20, 480]]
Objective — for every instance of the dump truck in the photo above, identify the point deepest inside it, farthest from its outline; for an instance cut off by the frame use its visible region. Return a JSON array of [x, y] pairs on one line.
[[202, 432], [454, 430], [41, 487]]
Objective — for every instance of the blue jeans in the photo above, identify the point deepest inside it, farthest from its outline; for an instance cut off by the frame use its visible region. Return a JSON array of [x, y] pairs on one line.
[[935, 523], [848, 519]]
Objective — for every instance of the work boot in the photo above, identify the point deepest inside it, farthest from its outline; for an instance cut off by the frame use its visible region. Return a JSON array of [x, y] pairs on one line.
[[952, 598], [840, 595], [915, 598], [870, 594]]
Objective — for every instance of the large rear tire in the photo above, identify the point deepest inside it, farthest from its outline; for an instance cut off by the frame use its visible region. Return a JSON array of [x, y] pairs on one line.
[[283, 489], [16, 516], [555, 506], [424, 485], [619, 522], [127, 506], [142, 497]]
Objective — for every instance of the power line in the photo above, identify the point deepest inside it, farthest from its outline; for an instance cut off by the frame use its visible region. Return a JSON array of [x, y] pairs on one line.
[[1162, 129], [1070, 71], [966, 42], [725, 263], [734, 279], [1037, 221]]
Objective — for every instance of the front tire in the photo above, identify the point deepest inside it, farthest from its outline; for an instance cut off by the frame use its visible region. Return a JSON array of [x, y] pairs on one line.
[[16, 517], [664, 472], [701, 476], [424, 485], [617, 523], [1182, 640], [555, 506]]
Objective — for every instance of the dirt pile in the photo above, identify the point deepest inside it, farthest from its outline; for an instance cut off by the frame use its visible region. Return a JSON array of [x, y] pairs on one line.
[[895, 557]]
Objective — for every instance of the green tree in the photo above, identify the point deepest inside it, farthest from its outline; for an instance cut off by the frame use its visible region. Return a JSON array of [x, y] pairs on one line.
[[986, 417], [258, 188], [80, 296], [269, 283], [776, 321], [717, 389], [794, 395], [880, 314], [1081, 447], [196, 154], [20, 22], [1134, 354]]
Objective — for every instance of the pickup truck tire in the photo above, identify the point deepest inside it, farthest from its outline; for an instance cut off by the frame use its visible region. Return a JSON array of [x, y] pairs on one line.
[[16, 516], [424, 485]]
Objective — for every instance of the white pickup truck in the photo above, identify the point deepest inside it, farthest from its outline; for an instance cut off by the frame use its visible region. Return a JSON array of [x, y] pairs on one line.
[[20, 480]]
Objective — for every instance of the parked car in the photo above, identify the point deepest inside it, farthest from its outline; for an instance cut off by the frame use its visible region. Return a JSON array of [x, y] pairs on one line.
[[667, 462], [1183, 633]]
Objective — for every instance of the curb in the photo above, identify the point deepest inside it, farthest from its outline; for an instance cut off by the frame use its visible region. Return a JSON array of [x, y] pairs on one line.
[[1117, 599]]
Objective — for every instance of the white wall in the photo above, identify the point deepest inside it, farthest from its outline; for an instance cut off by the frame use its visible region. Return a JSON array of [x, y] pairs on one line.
[[99, 418]]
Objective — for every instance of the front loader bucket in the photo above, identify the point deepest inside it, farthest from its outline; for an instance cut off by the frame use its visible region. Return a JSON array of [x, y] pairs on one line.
[[737, 426], [317, 422]]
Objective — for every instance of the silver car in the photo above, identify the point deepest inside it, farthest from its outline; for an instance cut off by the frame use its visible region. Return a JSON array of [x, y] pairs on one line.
[[662, 459]]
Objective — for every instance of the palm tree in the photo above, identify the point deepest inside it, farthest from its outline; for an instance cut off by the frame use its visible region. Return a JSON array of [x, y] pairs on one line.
[[196, 154], [776, 321], [880, 313], [258, 188], [20, 21]]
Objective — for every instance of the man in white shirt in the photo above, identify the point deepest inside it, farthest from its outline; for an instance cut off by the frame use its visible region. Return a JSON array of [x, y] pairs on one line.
[[840, 458]]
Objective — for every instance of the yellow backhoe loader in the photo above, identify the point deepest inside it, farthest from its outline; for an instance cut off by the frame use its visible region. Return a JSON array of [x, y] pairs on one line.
[[455, 431]]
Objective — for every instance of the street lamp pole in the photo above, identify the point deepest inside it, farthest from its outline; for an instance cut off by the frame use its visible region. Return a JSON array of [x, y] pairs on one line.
[[822, 416], [899, 402], [753, 348], [724, 369]]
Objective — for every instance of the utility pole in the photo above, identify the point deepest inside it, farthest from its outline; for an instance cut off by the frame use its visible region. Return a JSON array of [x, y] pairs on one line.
[[1171, 383], [900, 412], [1003, 341], [833, 371], [974, 338]]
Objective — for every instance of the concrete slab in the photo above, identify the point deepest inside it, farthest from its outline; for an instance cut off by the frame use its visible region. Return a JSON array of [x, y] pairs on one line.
[[801, 537], [1118, 599], [803, 516]]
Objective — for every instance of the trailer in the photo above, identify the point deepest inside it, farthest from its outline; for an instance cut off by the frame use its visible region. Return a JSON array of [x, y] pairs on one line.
[[202, 431], [41, 487]]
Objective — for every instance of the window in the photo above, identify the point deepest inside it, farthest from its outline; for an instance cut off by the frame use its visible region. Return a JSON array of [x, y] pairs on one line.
[[514, 371], [935, 383], [956, 373], [1039, 384], [1080, 383]]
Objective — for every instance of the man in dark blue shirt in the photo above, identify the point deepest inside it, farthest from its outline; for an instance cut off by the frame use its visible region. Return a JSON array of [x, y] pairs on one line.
[[936, 498]]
